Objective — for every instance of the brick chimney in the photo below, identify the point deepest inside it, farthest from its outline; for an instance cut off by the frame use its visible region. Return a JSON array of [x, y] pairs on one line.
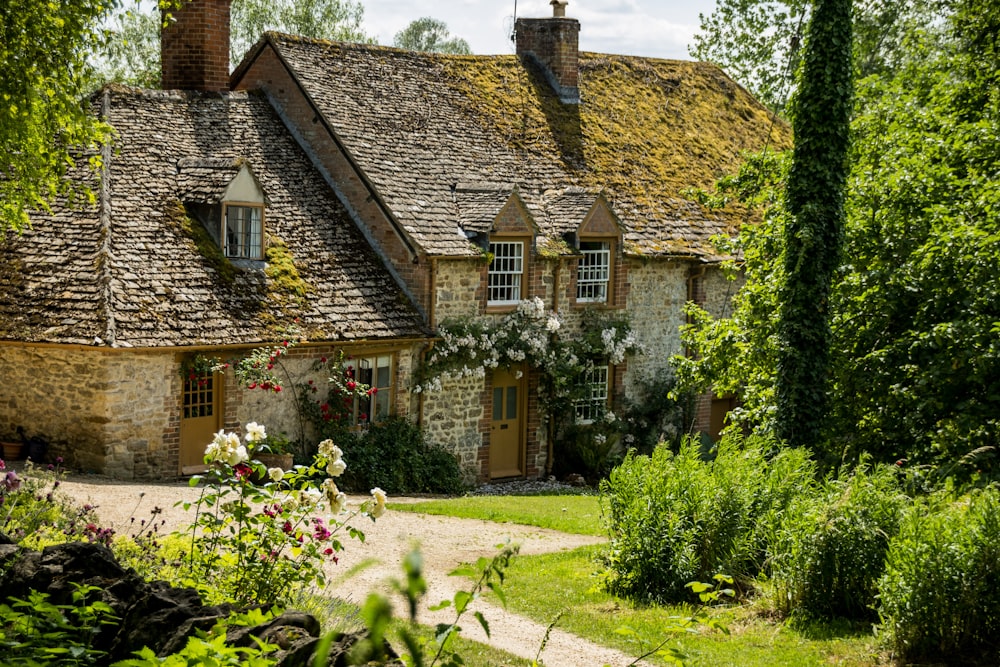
[[553, 43], [194, 47]]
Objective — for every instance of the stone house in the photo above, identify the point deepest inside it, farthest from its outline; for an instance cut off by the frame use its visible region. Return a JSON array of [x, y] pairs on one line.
[[356, 197]]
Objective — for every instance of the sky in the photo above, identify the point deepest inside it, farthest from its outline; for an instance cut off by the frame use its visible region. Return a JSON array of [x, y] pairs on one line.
[[652, 28]]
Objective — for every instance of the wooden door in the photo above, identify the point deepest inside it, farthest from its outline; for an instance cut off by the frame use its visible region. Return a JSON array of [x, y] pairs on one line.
[[201, 418], [507, 425]]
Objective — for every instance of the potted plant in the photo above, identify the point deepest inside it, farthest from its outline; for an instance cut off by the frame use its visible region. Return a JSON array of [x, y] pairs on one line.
[[11, 450], [274, 451]]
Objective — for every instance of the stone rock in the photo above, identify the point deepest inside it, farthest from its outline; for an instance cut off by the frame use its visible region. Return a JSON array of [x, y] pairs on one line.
[[154, 614]]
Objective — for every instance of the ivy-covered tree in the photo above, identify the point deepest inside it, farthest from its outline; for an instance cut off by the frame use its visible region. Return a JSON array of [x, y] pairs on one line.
[[429, 34], [815, 198]]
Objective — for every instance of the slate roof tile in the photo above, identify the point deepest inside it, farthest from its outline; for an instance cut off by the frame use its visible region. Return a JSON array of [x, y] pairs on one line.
[[141, 281]]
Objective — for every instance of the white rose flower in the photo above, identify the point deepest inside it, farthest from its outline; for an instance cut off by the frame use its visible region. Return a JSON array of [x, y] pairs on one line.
[[237, 455], [378, 495], [255, 432], [330, 451], [276, 474], [337, 503], [336, 468]]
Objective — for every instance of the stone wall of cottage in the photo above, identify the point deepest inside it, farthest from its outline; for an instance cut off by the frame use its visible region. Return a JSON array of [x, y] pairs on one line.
[[452, 419], [459, 288], [101, 411], [657, 294]]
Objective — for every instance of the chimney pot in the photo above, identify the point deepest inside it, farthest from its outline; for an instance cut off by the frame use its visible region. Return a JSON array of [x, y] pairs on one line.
[[559, 8]]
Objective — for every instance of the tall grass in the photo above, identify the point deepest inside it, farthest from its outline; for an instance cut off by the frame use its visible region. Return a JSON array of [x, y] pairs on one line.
[[678, 518], [828, 551], [940, 594]]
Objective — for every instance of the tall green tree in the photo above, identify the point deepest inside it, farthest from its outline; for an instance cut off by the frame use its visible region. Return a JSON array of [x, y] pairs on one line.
[[339, 20], [429, 34], [44, 123], [758, 42], [816, 183]]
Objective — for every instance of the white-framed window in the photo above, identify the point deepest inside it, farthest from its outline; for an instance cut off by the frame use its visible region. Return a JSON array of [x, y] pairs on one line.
[[593, 272], [506, 272], [375, 372], [243, 231], [593, 402]]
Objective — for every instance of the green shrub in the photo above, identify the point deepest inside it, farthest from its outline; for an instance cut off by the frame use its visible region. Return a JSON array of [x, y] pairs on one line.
[[393, 455], [829, 550], [677, 518], [940, 594]]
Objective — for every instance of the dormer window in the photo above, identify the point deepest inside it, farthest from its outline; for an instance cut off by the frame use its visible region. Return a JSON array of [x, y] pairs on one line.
[[593, 272], [229, 201], [243, 231]]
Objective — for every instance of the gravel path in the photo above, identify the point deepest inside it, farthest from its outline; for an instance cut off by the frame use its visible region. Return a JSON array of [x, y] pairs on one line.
[[445, 542]]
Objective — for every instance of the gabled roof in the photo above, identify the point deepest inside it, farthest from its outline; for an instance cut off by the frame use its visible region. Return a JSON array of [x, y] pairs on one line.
[[478, 204], [136, 270], [646, 130]]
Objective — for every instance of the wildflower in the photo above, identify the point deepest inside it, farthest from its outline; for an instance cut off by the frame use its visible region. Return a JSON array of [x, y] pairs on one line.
[[11, 482]]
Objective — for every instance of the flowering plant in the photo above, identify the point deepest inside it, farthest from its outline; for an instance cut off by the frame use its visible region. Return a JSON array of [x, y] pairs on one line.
[[533, 335], [260, 543], [198, 368]]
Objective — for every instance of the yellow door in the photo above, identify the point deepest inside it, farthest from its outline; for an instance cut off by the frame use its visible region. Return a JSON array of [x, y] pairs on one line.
[[201, 418], [507, 426]]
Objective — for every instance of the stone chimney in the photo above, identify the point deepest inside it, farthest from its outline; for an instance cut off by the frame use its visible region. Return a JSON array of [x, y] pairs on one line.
[[194, 47], [554, 44]]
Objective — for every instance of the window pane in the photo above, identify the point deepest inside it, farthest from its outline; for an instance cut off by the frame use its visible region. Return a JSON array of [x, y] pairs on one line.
[[511, 402], [504, 277], [497, 403], [244, 232], [593, 272], [594, 389]]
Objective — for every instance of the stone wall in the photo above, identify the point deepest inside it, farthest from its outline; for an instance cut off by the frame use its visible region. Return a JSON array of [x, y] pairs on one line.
[[459, 288], [100, 410], [451, 419], [657, 296]]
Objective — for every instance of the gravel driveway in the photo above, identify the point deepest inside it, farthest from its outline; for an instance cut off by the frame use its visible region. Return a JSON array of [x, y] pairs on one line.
[[444, 541]]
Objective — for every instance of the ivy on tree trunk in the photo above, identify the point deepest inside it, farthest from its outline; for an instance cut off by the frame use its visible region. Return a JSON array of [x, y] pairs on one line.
[[816, 185]]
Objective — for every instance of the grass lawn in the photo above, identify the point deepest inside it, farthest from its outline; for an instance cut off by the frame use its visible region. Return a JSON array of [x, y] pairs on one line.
[[570, 514], [539, 587]]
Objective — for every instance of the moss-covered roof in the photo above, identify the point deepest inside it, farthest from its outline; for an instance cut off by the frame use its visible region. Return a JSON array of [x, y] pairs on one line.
[[646, 131]]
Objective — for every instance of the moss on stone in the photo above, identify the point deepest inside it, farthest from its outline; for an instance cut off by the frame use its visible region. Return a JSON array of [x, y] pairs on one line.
[[285, 281], [203, 242]]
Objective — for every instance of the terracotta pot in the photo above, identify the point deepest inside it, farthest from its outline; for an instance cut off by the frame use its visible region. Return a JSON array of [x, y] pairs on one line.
[[283, 461], [12, 450]]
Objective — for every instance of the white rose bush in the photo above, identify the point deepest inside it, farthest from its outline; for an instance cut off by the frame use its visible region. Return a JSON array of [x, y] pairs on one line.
[[260, 542], [529, 334]]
